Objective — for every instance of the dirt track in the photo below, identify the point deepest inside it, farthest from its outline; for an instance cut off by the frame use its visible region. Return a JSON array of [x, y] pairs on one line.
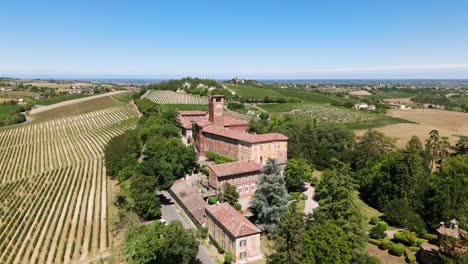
[[448, 124], [70, 102]]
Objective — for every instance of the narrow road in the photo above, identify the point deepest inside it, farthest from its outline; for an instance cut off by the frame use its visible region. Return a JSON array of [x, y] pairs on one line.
[[171, 212], [310, 203]]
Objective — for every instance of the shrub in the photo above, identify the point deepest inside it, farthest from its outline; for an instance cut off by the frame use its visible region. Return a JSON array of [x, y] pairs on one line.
[[217, 158], [294, 196], [419, 241], [204, 170], [314, 181], [212, 200], [382, 224], [374, 220], [377, 232], [397, 249], [374, 241], [218, 247], [429, 236], [203, 232], [414, 249], [228, 258], [304, 196], [237, 206], [410, 256], [373, 260], [406, 237], [385, 244]]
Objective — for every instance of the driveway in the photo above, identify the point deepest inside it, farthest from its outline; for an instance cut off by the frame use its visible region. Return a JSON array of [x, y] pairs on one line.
[[310, 203], [170, 212]]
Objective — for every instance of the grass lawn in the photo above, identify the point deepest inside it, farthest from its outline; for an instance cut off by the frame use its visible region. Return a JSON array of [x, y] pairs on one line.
[[366, 210], [6, 110]]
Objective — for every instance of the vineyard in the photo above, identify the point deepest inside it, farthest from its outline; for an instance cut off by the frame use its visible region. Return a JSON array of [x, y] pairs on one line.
[[170, 97], [53, 187], [354, 119]]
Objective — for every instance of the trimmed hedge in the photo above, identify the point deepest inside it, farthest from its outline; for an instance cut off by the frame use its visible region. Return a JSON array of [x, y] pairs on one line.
[[385, 244], [410, 257], [414, 249], [373, 260], [228, 258], [374, 220], [397, 249], [212, 200], [406, 237], [374, 241], [429, 236], [217, 246], [237, 206], [218, 158], [382, 224]]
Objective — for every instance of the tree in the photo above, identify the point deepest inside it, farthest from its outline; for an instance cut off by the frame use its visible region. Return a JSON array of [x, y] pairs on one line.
[[370, 145], [159, 244], [288, 238], [448, 194], [296, 173], [461, 147], [229, 194], [181, 245], [271, 197], [326, 242], [336, 196], [437, 147], [400, 213]]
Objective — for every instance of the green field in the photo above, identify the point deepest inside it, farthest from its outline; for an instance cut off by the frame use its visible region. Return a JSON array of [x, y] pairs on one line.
[[254, 91], [391, 95], [354, 119], [305, 95], [6, 110], [460, 100], [60, 98]]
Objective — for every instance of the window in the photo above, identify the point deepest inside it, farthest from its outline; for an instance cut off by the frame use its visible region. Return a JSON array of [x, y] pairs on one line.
[[252, 187], [242, 255], [243, 243], [231, 242], [246, 188], [240, 190], [222, 244], [224, 234]]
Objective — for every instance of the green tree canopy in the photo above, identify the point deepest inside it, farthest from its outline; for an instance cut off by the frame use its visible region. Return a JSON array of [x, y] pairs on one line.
[[229, 194], [271, 197], [336, 195], [288, 238], [371, 145], [296, 173], [326, 242]]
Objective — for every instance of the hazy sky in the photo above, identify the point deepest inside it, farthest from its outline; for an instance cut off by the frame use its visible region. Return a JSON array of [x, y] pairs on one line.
[[222, 39]]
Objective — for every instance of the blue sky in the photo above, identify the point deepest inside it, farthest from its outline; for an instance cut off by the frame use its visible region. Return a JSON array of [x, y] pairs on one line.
[[223, 39]]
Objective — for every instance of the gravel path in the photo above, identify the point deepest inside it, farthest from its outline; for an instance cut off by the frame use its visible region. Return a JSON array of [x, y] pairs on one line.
[[310, 203], [70, 102]]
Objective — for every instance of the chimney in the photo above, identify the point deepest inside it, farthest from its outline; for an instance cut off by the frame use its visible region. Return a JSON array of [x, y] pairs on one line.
[[216, 110]]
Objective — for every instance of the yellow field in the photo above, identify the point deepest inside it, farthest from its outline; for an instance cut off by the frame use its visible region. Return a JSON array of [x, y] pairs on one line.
[[449, 124]]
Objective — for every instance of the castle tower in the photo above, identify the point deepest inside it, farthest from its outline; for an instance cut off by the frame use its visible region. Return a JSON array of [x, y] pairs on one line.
[[216, 109]]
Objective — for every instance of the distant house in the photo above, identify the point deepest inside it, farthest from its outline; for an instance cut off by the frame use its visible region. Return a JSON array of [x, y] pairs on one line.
[[450, 95], [242, 174], [21, 101], [371, 108], [361, 106], [233, 232]]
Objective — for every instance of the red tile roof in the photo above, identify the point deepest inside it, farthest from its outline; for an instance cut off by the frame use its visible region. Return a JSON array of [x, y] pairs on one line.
[[234, 168], [232, 221], [243, 136], [192, 113], [190, 200]]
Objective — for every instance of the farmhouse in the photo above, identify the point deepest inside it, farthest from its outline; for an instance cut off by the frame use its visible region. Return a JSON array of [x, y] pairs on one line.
[[242, 174], [192, 203], [233, 232], [361, 106], [227, 136]]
